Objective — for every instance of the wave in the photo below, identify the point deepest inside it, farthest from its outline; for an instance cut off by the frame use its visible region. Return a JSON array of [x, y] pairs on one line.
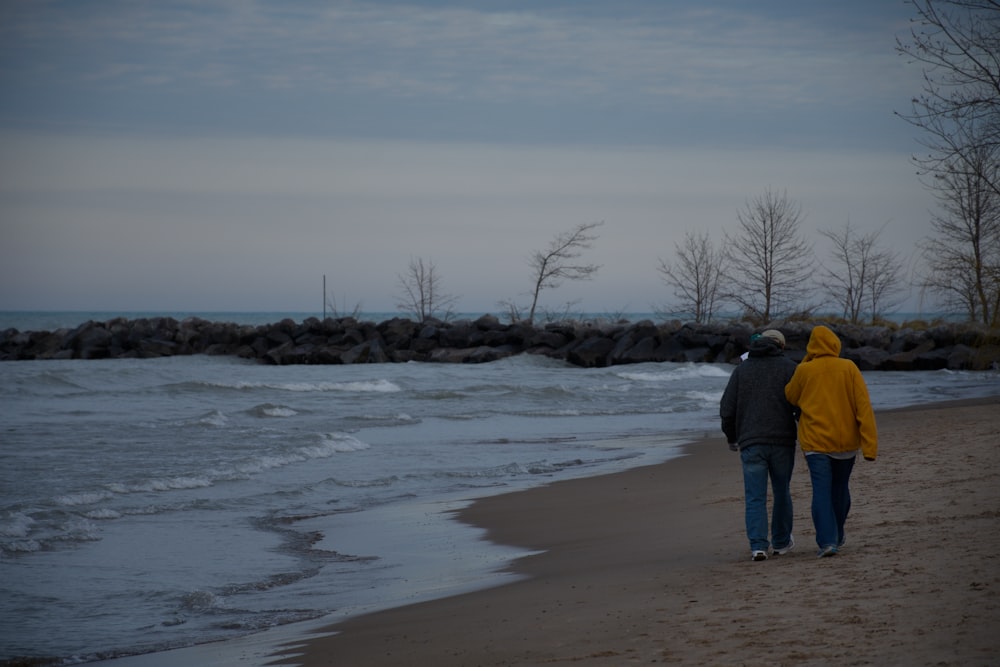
[[22, 533], [48, 383], [710, 398], [399, 417], [68, 517], [333, 443], [677, 373], [20, 546], [171, 484], [82, 498], [378, 482], [270, 410], [15, 524], [214, 418], [361, 386]]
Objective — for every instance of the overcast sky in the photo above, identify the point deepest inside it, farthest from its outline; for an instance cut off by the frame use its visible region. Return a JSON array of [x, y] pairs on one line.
[[225, 155]]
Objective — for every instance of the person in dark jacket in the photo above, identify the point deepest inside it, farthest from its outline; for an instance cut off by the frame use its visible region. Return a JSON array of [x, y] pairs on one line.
[[759, 422]]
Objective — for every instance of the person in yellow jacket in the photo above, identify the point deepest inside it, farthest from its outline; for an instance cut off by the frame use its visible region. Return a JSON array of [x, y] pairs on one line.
[[837, 421]]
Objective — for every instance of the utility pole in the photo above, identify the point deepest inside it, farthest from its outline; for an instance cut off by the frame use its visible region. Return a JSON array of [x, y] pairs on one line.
[[324, 297]]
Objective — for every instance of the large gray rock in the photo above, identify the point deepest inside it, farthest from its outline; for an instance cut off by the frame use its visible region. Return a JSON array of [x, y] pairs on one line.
[[591, 353]]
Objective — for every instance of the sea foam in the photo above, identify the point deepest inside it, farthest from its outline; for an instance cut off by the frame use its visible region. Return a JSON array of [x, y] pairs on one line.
[[677, 373]]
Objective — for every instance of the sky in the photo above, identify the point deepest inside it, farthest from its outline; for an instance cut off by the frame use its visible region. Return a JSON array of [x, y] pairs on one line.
[[226, 155]]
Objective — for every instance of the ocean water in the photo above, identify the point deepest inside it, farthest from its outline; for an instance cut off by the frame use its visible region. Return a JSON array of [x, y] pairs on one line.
[[54, 320], [160, 503]]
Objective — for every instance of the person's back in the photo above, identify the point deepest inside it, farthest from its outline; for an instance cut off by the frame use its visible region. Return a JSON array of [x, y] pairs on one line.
[[759, 423], [831, 393], [753, 408], [836, 421]]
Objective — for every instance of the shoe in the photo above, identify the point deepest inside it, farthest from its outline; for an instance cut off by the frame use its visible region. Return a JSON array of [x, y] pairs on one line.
[[827, 551], [785, 549], [758, 555]]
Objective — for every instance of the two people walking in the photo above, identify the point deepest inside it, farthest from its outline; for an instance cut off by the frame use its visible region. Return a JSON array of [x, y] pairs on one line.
[[822, 402]]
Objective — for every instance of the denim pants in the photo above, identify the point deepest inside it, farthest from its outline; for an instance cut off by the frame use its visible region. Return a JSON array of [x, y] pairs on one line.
[[760, 464], [831, 498]]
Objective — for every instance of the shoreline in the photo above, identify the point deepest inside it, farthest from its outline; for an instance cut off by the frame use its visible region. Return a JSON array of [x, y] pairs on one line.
[[674, 585], [917, 583]]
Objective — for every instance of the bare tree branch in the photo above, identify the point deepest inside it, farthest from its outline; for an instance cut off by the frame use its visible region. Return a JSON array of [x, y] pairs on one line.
[[767, 259], [963, 256], [558, 262], [695, 276], [421, 293], [865, 278], [957, 43]]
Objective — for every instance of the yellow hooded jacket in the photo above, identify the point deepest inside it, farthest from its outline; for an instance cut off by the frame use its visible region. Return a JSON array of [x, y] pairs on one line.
[[837, 413]]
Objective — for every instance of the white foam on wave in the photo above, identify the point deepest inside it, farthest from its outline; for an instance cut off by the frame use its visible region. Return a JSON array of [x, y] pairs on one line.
[[557, 412], [709, 397], [379, 386], [401, 417], [15, 524], [21, 546], [271, 410], [341, 442], [163, 484], [214, 418], [181, 483], [618, 388], [82, 498], [22, 533], [278, 411], [327, 445], [683, 372], [80, 530]]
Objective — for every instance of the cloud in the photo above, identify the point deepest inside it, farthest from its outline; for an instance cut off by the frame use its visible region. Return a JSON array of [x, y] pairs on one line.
[[669, 59], [233, 151]]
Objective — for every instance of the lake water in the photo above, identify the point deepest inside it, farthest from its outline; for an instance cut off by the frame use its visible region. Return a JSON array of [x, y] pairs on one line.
[[159, 503]]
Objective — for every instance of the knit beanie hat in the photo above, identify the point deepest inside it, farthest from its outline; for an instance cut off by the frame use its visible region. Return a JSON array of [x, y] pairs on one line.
[[775, 335]]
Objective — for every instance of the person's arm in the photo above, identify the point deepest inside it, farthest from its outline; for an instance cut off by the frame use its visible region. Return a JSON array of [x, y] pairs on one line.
[[793, 390], [727, 410], [865, 417]]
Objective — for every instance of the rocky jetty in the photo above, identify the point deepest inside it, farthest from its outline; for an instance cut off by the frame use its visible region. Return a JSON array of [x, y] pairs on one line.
[[350, 341]]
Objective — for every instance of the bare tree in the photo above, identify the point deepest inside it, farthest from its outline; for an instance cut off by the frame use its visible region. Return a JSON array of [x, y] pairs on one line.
[[843, 283], [963, 257], [957, 43], [865, 278], [558, 262], [420, 292], [340, 311], [884, 284], [335, 311], [768, 265], [695, 276]]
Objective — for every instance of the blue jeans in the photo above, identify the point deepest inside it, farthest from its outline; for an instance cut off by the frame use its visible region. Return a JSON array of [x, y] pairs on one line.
[[831, 500], [760, 463]]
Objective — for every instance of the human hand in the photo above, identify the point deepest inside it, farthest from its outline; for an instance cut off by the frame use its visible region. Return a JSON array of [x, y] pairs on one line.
[[733, 447]]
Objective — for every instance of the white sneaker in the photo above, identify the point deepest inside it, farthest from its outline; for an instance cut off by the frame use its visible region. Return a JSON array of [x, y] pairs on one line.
[[784, 550], [758, 555]]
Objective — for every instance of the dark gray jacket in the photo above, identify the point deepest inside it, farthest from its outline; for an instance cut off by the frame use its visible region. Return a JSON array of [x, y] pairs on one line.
[[753, 408]]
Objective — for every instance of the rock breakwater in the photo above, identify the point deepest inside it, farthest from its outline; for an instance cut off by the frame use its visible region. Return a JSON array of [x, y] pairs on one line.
[[352, 341]]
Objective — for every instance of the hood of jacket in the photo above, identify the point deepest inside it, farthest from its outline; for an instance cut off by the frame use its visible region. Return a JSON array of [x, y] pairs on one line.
[[822, 343]]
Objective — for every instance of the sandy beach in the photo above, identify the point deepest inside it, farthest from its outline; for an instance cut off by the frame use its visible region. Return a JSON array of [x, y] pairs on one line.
[[651, 566]]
